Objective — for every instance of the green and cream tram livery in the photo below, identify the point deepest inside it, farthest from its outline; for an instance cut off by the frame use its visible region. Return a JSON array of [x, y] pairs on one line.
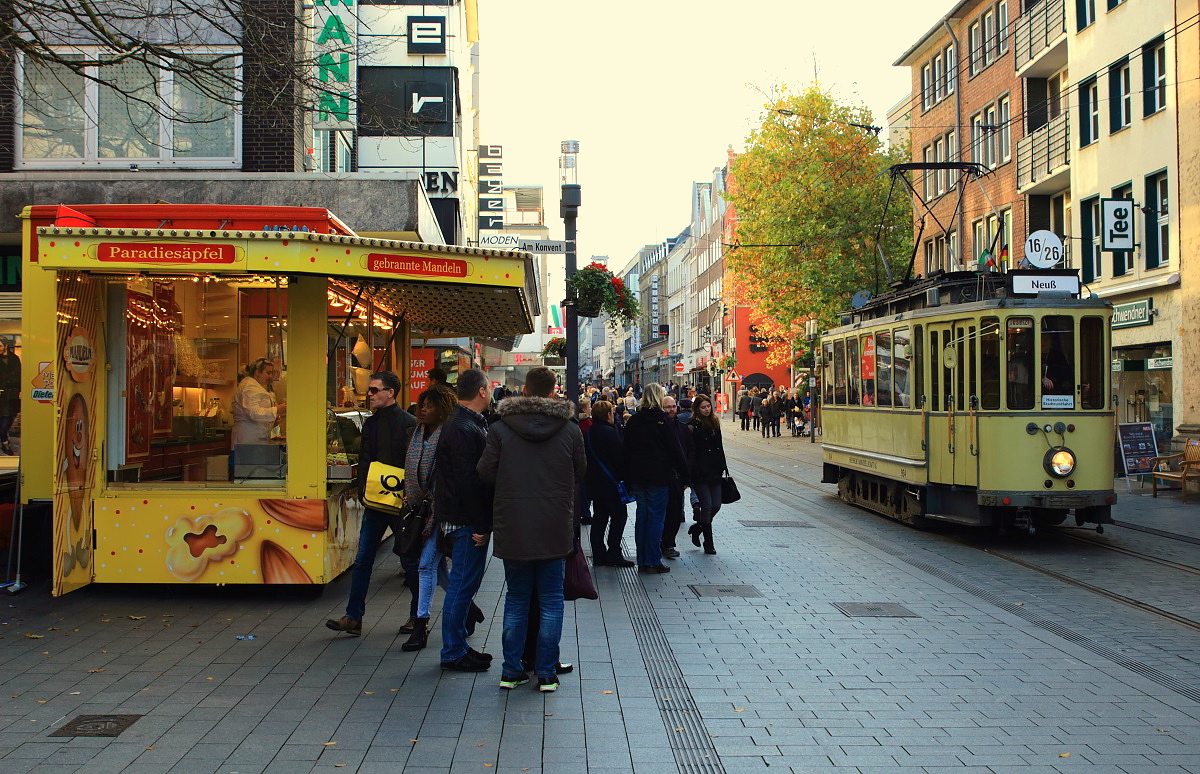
[[958, 398]]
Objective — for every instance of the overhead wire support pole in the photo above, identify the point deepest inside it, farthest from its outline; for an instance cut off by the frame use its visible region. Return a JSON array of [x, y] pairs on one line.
[[569, 211]]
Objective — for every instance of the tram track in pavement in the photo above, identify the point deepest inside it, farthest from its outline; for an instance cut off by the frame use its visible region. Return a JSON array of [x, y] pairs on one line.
[[975, 543]]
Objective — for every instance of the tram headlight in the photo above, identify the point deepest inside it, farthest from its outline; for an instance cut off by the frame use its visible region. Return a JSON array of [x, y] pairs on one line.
[[1059, 461]]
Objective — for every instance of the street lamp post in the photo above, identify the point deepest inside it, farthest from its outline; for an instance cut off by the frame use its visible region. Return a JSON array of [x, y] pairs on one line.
[[569, 211]]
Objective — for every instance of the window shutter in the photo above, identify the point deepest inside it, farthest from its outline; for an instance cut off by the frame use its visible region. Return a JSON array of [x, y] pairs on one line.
[[1148, 80], [1080, 14], [1114, 99], [1086, 248], [1150, 223]]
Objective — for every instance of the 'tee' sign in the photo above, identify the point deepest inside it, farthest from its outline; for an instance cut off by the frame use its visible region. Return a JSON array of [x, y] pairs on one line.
[[1116, 224]]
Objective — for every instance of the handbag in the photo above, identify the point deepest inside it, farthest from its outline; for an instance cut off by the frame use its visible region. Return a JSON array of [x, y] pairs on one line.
[[729, 490], [410, 532], [384, 490], [577, 579], [622, 493]]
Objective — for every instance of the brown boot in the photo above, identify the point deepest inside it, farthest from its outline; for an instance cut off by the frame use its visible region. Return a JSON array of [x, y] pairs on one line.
[[346, 624], [419, 637]]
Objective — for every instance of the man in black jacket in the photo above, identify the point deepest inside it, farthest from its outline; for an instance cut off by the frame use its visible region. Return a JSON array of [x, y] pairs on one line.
[[744, 404], [462, 505], [674, 517], [385, 437], [534, 456]]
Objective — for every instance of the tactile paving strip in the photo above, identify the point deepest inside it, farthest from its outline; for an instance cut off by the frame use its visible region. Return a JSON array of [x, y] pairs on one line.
[[735, 590], [690, 740], [875, 610], [792, 523]]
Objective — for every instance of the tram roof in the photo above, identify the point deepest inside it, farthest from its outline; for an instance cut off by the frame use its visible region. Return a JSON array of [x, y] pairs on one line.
[[443, 288]]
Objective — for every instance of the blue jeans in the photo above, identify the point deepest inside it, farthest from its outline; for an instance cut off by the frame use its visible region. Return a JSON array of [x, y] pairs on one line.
[[370, 533], [431, 566], [523, 578], [467, 563], [648, 522], [710, 501]]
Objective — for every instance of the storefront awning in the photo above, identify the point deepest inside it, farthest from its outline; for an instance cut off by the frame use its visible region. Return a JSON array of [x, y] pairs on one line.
[[444, 289]]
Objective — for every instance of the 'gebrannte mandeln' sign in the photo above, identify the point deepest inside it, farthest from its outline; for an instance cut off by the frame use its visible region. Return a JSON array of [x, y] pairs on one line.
[[417, 265]]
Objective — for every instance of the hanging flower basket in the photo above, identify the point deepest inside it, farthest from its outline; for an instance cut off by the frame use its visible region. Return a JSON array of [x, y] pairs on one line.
[[595, 291], [555, 347]]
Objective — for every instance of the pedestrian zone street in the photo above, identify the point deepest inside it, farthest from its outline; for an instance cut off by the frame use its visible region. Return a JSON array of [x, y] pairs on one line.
[[743, 661]]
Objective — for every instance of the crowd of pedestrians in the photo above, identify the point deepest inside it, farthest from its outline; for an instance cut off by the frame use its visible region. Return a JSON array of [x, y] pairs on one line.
[[521, 473], [767, 411]]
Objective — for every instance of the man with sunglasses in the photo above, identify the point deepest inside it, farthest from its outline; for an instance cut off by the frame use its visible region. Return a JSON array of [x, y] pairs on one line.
[[385, 437]]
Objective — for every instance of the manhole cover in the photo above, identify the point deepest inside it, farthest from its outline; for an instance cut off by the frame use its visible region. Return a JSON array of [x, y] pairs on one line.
[[724, 591], [752, 523], [875, 610], [96, 725]]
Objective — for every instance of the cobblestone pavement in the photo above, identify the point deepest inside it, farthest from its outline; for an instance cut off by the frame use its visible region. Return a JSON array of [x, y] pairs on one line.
[[999, 668]]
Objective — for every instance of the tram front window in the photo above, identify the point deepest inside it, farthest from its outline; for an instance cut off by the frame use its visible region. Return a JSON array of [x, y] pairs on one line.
[[1058, 361], [1020, 362]]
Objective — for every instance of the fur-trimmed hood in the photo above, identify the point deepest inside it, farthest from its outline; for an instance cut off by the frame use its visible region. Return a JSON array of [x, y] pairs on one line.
[[535, 419]]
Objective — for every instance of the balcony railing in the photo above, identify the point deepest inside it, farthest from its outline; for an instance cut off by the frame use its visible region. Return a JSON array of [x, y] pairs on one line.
[[1044, 153], [1037, 30]]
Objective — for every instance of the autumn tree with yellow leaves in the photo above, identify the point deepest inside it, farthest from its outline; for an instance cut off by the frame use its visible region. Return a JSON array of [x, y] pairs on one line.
[[809, 196]]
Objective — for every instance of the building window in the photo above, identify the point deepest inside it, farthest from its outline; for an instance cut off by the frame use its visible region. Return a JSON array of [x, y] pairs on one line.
[[975, 48], [1089, 237], [1089, 110], [1120, 99], [939, 78], [1154, 77], [1003, 144], [927, 177], [1158, 229], [1002, 27], [977, 138], [1114, 3], [951, 65], [991, 133], [114, 114], [1085, 13], [989, 37], [939, 155], [1122, 260]]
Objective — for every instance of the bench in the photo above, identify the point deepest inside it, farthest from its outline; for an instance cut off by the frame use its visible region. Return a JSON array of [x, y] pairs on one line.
[[1188, 468]]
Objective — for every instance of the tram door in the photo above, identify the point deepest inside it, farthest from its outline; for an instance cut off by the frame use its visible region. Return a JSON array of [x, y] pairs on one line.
[[953, 382]]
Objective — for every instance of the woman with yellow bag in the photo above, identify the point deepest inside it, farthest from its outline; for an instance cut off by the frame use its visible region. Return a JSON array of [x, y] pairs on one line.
[[385, 438]]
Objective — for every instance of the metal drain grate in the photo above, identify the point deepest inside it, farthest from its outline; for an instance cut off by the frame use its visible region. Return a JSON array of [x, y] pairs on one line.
[[874, 610], [752, 523], [96, 725], [736, 590]]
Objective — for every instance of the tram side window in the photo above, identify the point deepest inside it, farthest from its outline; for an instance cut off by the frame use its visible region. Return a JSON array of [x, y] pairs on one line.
[[972, 364], [916, 367], [866, 368], [902, 367], [989, 363], [1058, 357], [839, 373], [1092, 364], [935, 364], [827, 373], [1019, 331], [853, 383], [883, 368]]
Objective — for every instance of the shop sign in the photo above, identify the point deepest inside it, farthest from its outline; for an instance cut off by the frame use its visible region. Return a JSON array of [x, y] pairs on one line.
[[1132, 314], [1160, 363], [336, 24], [1117, 365], [79, 355], [43, 383], [1116, 225], [419, 265], [149, 252]]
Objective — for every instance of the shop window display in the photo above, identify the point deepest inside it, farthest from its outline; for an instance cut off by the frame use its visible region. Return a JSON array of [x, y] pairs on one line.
[[1143, 389], [198, 383]]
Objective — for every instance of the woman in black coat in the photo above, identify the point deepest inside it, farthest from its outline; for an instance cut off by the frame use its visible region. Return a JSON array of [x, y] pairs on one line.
[[652, 456], [706, 464], [604, 469]]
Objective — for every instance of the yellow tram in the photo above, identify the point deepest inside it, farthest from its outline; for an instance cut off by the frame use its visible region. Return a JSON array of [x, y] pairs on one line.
[[973, 397]]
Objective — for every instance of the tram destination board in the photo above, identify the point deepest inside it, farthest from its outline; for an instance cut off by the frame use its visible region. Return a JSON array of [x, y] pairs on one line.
[[1138, 447]]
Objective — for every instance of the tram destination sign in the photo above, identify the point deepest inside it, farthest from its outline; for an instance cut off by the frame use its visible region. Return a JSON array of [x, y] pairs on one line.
[[1051, 281]]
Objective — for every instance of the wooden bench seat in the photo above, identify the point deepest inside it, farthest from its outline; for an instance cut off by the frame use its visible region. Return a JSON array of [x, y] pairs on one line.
[[1180, 468]]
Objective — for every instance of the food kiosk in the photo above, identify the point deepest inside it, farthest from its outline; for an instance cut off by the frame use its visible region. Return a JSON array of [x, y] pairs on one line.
[[142, 325]]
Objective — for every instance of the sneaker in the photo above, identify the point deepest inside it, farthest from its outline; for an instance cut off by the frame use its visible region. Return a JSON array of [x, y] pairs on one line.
[[345, 624], [508, 682], [547, 684], [466, 663], [561, 669]]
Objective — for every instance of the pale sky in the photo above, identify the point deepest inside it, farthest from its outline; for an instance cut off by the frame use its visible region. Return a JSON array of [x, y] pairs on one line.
[[655, 91]]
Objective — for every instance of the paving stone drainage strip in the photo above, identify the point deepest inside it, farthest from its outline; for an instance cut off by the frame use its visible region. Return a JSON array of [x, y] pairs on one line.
[[874, 610], [96, 725], [736, 590], [793, 523], [690, 741]]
